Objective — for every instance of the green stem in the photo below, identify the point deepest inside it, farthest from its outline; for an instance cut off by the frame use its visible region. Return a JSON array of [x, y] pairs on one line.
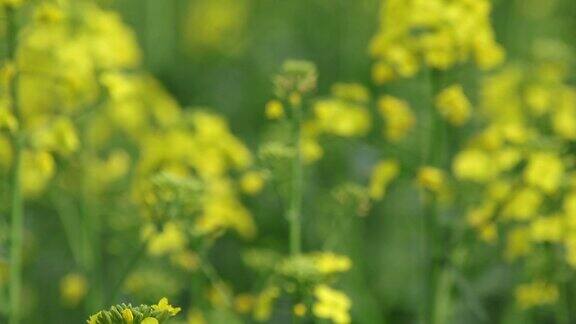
[[17, 202], [216, 281], [130, 266], [295, 207], [433, 269]]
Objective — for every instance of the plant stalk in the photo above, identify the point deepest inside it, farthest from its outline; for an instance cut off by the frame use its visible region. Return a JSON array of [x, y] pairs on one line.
[[295, 207]]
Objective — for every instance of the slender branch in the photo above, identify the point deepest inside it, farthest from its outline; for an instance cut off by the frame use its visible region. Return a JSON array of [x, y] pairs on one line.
[[130, 266], [295, 207]]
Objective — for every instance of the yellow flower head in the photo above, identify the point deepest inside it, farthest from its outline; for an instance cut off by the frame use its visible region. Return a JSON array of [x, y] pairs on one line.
[[473, 165], [382, 175], [252, 182], [331, 304], [128, 316], [342, 118], [432, 179], [453, 105], [398, 117], [329, 263], [274, 109], [164, 306], [73, 288], [544, 171], [536, 293]]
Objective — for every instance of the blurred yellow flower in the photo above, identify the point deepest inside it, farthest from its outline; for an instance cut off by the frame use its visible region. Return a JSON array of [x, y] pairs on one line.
[[544, 171], [382, 175], [453, 105], [252, 182], [329, 263], [165, 307], [331, 304], [432, 179], [398, 117], [73, 289], [473, 165], [274, 109], [536, 293]]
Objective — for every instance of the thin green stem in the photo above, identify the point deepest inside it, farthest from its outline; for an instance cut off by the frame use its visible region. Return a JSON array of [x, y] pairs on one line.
[[216, 281], [17, 202], [433, 261], [129, 268], [295, 207]]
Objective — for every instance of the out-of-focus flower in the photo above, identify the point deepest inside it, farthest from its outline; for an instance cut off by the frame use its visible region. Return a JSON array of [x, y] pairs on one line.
[[398, 117], [453, 105], [331, 304], [73, 288]]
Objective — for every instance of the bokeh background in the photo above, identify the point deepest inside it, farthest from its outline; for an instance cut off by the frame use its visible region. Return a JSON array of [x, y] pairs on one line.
[[221, 55]]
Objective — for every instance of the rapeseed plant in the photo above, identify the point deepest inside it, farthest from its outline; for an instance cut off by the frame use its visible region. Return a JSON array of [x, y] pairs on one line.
[[156, 198]]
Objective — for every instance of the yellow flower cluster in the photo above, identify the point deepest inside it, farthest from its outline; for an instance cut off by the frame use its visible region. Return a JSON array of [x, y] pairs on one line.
[[453, 105], [536, 294], [435, 33], [331, 304], [345, 114], [398, 117], [308, 271], [143, 314], [383, 173], [61, 56], [519, 160]]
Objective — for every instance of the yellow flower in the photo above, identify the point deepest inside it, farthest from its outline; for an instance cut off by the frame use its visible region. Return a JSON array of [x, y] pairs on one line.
[[216, 25], [453, 105], [382, 175], [274, 109], [480, 216], [195, 316], [538, 99], [517, 243], [489, 233], [170, 240], [149, 320], [453, 32], [536, 293], [432, 179], [311, 150], [252, 182], [353, 92], [128, 316], [331, 304], [164, 306], [73, 288], [474, 165], [38, 170], [300, 310], [547, 229], [523, 204], [544, 171], [329, 263], [244, 303], [265, 302], [338, 117], [382, 73], [398, 117]]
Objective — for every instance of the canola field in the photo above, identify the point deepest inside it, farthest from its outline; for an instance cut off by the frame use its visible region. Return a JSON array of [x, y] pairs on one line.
[[287, 161]]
